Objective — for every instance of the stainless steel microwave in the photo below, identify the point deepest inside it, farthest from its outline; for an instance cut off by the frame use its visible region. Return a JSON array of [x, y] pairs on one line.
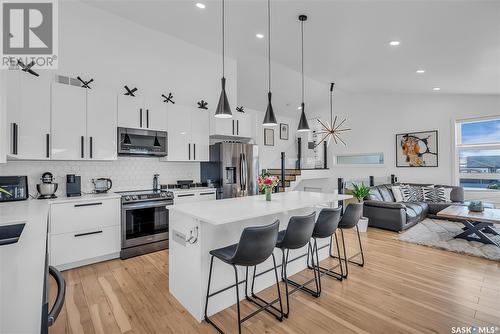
[[142, 142], [13, 188]]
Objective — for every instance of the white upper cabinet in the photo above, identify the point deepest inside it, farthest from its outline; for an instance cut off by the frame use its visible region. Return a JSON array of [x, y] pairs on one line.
[[130, 113], [240, 125], [101, 125], [68, 122], [28, 114], [200, 134], [188, 134], [84, 122], [142, 113]]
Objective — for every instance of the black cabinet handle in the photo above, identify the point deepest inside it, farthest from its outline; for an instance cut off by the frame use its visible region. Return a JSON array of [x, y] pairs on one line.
[[185, 195], [140, 117], [14, 137], [88, 233], [233, 126], [147, 118], [237, 127], [194, 151], [87, 204], [189, 151], [47, 145], [61, 292], [91, 142], [82, 140], [212, 193]]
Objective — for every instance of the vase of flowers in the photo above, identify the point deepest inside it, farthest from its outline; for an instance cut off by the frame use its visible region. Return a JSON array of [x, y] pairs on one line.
[[266, 184]]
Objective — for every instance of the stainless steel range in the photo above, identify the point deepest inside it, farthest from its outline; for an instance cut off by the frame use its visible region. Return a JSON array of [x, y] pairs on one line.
[[144, 221]]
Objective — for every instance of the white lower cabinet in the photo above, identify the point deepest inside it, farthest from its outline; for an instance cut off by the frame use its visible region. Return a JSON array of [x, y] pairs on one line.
[[195, 196], [207, 195], [84, 232]]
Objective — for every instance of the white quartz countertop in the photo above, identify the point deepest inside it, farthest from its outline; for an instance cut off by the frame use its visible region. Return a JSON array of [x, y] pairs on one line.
[[22, 264], [235, 209], [191, 190]]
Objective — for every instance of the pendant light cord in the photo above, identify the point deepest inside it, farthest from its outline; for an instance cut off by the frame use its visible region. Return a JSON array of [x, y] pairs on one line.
[[302, 64], [269, 42], [331, 105], [223, 35]]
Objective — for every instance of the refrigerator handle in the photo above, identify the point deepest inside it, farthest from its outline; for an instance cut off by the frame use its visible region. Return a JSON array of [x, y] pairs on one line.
[[243, 172]]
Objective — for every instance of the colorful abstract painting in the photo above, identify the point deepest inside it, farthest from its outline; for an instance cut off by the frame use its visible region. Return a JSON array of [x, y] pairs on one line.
[[417, 149]]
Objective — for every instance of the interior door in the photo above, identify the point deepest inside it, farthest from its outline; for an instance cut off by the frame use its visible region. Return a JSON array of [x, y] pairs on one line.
[[101, 125], [68, 122]]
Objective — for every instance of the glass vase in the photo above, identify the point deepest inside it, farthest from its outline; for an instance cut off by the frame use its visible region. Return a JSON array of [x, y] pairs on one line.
[[268, 192]]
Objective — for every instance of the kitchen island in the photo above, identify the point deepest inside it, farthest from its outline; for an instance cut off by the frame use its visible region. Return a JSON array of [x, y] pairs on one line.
[[197, 228]]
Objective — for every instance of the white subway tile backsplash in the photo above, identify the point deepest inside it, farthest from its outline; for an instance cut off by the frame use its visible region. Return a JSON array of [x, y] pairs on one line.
[[127, 173]]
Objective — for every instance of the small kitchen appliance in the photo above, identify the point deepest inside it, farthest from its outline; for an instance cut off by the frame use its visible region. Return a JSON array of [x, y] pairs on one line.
[[73, 185], [47, 188], [102, 185], [13, 188]]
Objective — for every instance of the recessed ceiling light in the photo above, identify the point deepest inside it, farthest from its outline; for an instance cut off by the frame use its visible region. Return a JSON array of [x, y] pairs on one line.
[[394, 43], [259, 36], [200, 5], [420, 71], [436, 89]]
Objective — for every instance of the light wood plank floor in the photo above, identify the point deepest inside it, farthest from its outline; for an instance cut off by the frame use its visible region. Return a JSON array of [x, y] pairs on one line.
[[403, 288]]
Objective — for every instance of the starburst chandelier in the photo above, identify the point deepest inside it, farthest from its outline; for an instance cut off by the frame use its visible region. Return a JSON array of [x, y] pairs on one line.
[[332, 130]]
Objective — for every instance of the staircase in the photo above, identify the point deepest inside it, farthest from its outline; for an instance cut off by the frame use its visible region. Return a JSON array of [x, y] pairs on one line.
[[291, 175]]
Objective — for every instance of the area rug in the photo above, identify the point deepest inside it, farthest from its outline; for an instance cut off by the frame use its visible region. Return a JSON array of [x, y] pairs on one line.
[[439, 234]]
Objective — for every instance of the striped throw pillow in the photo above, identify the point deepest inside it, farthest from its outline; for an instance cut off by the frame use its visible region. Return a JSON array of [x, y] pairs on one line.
[[434, 195], [409, 193]]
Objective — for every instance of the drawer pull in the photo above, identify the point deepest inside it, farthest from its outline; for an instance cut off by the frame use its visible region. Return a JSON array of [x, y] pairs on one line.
[[87, 204], [212, 193], [186, 195], [88, 233]]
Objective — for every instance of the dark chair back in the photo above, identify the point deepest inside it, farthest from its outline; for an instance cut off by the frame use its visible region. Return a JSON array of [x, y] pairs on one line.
[[353, 212], [256, 244], [299, 231], [327, 223]]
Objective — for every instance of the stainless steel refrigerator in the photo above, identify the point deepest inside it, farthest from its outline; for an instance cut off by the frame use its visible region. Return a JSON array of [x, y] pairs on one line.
[[233, 169]]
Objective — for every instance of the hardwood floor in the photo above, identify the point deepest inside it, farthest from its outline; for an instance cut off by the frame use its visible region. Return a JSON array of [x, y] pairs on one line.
[[403, 288]]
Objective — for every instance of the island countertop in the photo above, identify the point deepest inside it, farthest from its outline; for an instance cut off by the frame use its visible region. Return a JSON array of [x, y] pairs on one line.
[[229, 210]]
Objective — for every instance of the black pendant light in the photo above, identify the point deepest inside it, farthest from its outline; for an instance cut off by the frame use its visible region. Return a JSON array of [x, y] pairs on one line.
[[269, 118], [303, 124], [223, 109]]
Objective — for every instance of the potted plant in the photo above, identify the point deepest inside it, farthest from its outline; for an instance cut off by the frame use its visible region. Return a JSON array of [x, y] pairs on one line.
[[360, 191], [266, 184]]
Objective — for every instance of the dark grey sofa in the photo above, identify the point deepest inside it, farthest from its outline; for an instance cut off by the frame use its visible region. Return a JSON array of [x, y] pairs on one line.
[[384, 212]]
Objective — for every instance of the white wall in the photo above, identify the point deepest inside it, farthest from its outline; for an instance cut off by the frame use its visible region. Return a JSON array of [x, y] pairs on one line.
[[3, 122], [375, 120]]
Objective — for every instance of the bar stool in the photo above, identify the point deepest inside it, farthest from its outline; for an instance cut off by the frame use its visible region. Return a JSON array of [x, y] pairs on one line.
[[256, 245], [326, 227], [352, 214], [297, 234]]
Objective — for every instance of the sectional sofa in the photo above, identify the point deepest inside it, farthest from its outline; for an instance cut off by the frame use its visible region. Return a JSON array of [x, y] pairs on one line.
[[382, 210]]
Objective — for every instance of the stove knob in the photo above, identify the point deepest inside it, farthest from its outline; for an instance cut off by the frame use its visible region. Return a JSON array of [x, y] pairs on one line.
[[126, 198], [134, 197], [163, 194]]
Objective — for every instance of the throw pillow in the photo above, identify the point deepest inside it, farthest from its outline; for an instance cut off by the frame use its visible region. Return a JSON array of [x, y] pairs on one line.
[[419, 194], [434, 195], [409, 193], [396, 191]]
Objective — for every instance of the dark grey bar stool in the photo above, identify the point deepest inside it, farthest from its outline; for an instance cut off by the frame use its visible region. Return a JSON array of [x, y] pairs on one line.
[[256, 245], [297, 234], [352, 214], [326, 227]]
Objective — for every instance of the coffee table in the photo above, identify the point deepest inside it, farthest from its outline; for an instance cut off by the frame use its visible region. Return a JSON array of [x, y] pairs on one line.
[[476, 223]]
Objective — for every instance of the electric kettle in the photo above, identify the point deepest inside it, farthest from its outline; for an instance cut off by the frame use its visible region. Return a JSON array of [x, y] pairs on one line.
[[102, 185]]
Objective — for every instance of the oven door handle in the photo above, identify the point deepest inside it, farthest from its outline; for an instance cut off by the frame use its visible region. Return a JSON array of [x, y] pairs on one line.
[[146, 205], [61, 292]]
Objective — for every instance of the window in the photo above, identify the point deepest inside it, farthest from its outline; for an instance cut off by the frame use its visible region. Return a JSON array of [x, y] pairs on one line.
[[361, 159], [478, 153]]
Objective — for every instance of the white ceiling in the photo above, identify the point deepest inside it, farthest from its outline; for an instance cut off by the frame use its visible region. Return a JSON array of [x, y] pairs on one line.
[[456, 42]]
